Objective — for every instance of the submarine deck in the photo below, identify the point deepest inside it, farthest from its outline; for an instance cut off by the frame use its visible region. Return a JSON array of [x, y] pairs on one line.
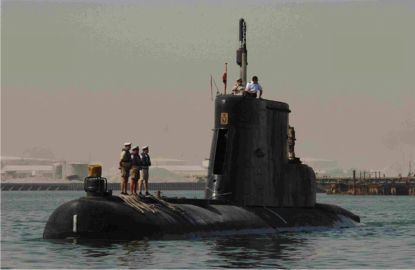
[[206, 203]]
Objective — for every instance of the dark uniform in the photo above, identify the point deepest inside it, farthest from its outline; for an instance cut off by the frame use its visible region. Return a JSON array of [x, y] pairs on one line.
[[291, 142], [145, 163]]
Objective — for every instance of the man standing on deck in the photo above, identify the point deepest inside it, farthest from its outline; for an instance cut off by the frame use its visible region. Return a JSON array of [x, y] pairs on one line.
[[125, 166], [135, 170], [145, 164], [252, 88]]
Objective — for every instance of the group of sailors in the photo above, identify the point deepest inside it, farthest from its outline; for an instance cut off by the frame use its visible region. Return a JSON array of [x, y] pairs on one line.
[[251, 89], [134, 167]]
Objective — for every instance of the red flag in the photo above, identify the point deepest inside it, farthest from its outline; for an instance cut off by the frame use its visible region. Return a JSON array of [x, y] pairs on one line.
[[225, 77]]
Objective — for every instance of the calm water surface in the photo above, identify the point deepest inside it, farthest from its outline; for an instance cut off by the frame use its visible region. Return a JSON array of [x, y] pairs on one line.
[[385, 239]]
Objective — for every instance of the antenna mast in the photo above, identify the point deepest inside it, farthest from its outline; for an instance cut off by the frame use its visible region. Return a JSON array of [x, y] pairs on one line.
[[242, 53]]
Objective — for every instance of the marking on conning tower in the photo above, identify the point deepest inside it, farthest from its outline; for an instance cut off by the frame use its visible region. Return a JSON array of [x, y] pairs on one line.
[[75, 223], [224, 118]]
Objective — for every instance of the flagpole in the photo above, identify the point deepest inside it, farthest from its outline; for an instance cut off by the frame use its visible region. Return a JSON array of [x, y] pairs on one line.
[[211, 88]]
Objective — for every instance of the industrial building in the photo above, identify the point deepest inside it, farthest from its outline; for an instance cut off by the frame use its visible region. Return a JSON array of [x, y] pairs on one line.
[[23, 168]]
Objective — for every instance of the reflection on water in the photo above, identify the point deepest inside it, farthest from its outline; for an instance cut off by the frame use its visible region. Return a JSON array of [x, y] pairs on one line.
[[386, 239], [230, 251], [133, 250], [248, 251]]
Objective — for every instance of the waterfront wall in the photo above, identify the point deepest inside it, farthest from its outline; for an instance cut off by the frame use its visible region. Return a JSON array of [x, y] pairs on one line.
[[390, 186], [374, 186], [112, 186]]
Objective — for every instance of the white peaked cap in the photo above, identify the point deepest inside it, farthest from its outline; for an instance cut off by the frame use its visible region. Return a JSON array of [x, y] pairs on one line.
[[144, 147], [127, 144]]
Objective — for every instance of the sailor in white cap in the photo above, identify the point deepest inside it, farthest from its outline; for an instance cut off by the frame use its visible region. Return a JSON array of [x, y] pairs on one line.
[[145, 164], [125, 166]]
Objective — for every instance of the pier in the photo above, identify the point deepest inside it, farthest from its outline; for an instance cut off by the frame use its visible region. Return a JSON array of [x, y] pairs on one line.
[[329, 185], [367, 186]]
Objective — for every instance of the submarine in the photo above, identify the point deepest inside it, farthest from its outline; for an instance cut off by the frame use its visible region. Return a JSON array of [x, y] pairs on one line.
[[253, 185]]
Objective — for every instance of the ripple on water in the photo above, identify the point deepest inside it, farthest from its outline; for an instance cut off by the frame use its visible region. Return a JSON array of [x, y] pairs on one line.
[[385, 239]]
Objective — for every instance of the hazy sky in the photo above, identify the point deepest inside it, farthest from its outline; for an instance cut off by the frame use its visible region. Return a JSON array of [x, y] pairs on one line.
[[82, 77]]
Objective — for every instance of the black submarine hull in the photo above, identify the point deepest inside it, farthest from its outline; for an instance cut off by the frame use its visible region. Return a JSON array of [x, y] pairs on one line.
[[123, 218]]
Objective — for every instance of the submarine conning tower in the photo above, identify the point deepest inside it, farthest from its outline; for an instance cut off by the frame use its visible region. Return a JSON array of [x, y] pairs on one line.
[[249, 163]]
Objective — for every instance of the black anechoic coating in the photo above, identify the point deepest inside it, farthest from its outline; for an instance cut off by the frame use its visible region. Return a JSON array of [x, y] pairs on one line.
[[111, 218]]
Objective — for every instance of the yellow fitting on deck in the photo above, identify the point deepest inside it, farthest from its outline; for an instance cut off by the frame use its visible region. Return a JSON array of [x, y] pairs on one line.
[[94, 170]]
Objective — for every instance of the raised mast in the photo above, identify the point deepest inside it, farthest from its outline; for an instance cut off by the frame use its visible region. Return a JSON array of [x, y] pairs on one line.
[[242, 53]]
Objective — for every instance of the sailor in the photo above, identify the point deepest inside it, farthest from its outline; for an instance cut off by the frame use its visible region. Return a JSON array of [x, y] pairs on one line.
[[135, 170], [291, 142], [125, 166], [145, 164], [252, 88], [238, 88]]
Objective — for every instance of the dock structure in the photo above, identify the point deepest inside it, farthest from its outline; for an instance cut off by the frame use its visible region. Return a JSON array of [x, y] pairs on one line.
[[329, 185], [368, 186]]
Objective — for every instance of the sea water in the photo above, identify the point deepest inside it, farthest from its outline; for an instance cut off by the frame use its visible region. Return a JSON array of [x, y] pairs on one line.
[[384, 239]]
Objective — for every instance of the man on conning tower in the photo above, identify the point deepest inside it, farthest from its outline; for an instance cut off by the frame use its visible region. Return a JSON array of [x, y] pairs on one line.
[[291, 143]]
